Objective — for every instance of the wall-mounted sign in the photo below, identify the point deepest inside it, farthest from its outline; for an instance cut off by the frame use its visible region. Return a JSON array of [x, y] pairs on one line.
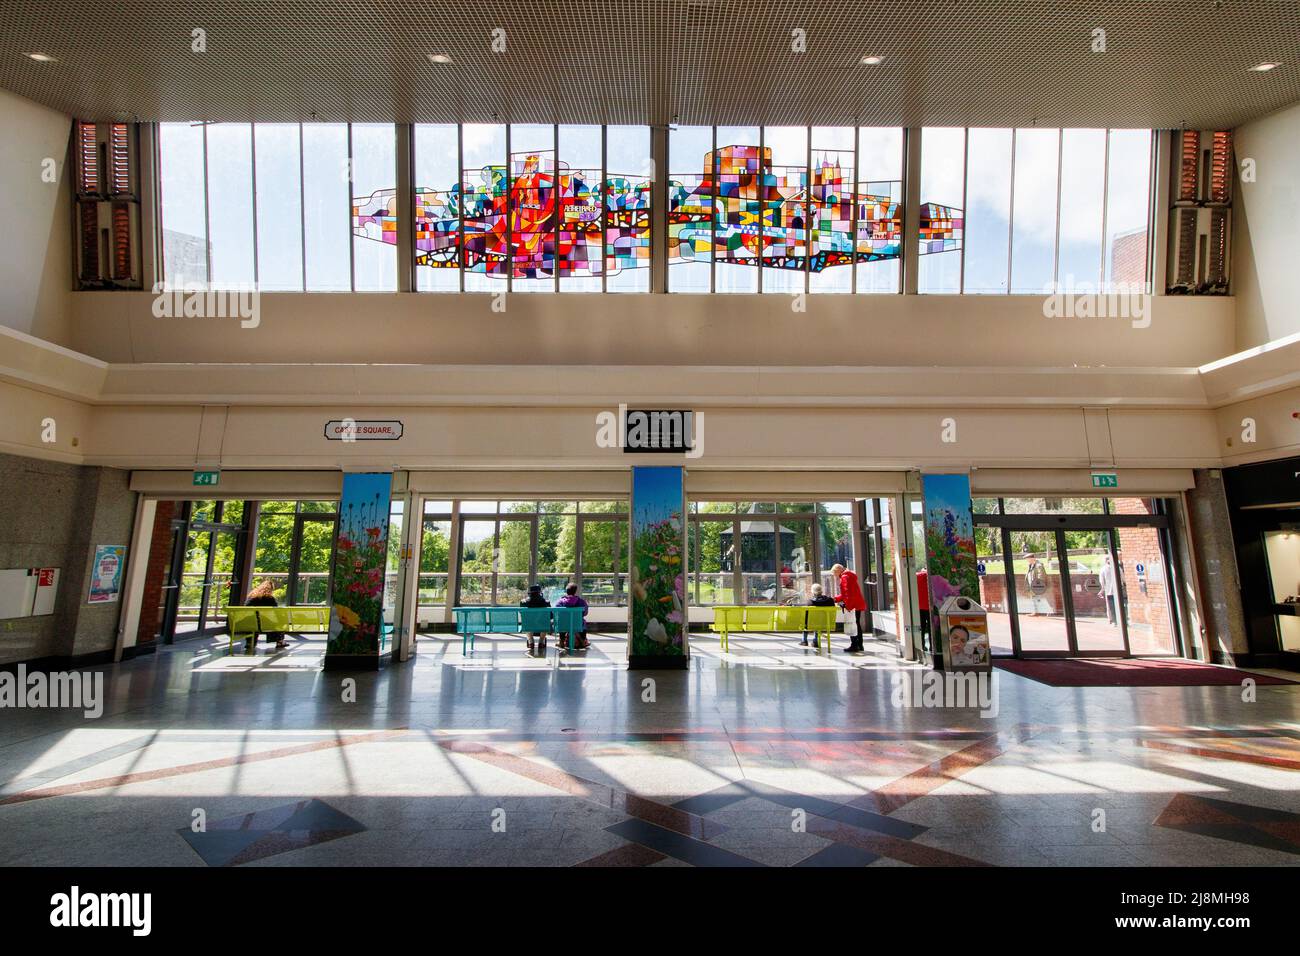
[[28, 592], [207, 477], [349, 430], [1105, 479], [658, 429], [106, 573]]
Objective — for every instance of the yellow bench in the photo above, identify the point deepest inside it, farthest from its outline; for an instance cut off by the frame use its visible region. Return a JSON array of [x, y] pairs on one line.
[[248, 622], [781, 619]]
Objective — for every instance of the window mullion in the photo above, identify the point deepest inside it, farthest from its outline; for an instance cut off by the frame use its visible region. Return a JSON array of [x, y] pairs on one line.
[[1011, 211], [252, 160], [352, 250], [302, 208], [207, 211], [1056, 243]]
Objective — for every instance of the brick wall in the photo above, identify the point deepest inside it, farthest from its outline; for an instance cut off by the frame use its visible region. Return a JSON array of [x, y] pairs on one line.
[[1148, 594], [155, 575]]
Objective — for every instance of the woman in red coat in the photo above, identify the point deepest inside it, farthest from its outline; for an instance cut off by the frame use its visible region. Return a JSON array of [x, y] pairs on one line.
[[851, 599]]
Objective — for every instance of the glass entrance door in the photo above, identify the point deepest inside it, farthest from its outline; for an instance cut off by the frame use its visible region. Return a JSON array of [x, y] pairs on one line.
[[1041, 593], [210, 566], [1094, 592], [1079, 577]]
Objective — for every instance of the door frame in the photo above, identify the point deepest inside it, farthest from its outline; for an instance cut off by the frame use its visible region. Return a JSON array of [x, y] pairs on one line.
[[1107, 521], [295, 554], [620, 552]]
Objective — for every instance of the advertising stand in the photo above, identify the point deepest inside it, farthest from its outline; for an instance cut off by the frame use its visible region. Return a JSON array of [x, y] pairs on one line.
[[962, 636]]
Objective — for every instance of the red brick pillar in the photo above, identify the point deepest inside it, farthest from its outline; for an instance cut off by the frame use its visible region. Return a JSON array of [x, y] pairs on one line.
[[155, 575]]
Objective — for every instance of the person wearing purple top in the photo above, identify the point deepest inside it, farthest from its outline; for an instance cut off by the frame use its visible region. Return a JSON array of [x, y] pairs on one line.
[[571, 599]]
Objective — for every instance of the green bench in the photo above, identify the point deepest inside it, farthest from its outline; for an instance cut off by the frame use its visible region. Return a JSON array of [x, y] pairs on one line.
[[517, 620], [729, 619], [248, 622]]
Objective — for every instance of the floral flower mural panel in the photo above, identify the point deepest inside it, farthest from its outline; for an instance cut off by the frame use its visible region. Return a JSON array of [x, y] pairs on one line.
[[949, 538], [360, 555], [657, 565]]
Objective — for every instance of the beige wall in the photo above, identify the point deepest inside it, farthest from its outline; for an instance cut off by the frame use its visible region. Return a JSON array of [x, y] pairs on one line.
[[1276, 424], [35, 220], [1266, 227], [573, 329], [736, 438]]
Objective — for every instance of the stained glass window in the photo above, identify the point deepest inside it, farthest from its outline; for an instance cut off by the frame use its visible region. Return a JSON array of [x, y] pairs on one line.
[[437, 208], [575, 218], [374, 207], [690, 209], [879, 212], [940, 219], [832, 201], [532, 207], [783, 190], [579, 229], [627, 203], [766, 204], [483, 188], [738, 165]]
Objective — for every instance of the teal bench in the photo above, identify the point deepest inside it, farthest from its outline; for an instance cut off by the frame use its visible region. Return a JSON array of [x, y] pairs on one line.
[[517, 620]]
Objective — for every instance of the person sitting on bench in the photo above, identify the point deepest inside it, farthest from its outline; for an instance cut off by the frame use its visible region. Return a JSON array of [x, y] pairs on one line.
[[571, 599], [535, 599], [818, 600], [263, 596]]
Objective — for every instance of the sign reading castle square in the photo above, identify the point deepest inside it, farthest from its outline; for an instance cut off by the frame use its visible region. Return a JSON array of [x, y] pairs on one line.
[[349, 430]]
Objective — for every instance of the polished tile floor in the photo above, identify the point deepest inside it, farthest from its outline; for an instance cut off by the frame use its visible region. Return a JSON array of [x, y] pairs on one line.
[[768, 755]]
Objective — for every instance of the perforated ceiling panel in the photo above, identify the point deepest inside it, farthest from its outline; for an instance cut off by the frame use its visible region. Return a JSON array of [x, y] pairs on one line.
[[1166, 63]]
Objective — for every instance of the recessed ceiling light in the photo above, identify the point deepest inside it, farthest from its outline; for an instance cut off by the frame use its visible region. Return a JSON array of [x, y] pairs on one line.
[[873, 60], [1265, 67], [41, 57], [439, 58]]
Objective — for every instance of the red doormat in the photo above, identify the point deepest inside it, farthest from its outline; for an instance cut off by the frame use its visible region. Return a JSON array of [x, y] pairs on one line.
[[1131, 672]]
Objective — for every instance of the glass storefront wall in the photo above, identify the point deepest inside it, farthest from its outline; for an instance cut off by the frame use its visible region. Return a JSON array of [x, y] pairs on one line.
[[756, 552], [1077, 576], [503, 547], [766, 552]]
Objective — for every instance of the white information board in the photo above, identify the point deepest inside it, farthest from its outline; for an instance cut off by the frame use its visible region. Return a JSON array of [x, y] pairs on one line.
[[27, 592]]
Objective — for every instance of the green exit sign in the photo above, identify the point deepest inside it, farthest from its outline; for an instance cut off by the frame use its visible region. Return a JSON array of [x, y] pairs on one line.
[[207, 477], [1105, 479]]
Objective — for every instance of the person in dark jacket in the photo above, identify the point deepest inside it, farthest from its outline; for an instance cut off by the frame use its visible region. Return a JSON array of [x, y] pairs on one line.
[[264, 596], [818, 599], [535, 599], [572, 599]]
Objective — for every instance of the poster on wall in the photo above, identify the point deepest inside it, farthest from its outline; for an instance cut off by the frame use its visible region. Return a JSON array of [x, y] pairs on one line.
[[106, 573], [657, 567], [949, 538], [360, 556]]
